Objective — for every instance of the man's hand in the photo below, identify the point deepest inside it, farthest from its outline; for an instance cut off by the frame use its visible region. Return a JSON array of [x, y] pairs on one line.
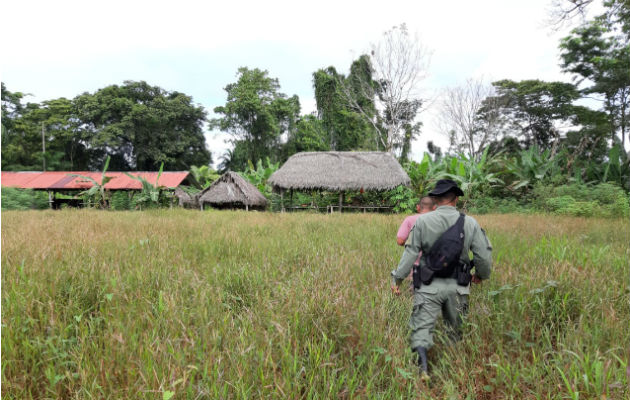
[[476, 279], [396, 290]]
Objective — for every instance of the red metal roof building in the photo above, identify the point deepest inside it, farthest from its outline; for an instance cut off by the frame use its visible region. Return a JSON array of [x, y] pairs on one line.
[[61, 180]]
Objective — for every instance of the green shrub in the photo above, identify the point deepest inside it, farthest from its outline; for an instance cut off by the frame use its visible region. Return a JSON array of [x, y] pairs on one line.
[[23, 199], [559, 204], [621, 205], [120, 201], [490, 205], [601, 200], [567, 205], [403, 199]]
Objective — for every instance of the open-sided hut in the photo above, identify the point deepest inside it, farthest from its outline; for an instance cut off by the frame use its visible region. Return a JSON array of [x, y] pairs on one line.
[[232, 191], [339, 171], [74, 182]]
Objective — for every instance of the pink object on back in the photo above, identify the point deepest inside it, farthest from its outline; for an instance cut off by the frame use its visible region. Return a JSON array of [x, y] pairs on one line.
[[406, 226]]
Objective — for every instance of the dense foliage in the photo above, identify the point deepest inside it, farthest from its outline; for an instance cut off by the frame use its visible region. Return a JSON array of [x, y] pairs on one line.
[[256, 115], [23, 199], [139, 126]]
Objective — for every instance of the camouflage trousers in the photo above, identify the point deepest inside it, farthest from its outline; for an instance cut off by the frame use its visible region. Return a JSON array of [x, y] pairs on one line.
[[442, 296]]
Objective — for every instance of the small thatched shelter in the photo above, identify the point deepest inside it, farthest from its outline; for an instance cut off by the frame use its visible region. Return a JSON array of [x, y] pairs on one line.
[[340, 171], [186, 199], [232, 191]]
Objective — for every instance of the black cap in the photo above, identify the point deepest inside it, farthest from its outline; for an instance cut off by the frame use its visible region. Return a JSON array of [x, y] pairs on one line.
[[444, 186]]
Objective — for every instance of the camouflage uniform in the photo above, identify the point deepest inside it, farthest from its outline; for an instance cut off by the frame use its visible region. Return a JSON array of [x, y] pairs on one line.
[[442, 295]]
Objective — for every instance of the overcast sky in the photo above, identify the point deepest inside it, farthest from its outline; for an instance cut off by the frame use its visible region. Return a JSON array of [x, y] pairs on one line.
[[57, 49]]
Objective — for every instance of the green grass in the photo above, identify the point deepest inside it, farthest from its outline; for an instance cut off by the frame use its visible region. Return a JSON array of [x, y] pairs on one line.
[[258, 305]]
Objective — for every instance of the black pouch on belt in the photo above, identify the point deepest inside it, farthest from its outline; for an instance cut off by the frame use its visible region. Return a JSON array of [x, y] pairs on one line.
[[415, 272], [464, 276]]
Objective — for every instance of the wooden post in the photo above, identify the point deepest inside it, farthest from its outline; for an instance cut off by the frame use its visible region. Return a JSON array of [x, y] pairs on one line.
[[43, 148], [246, 207], [290, 197], [50, 199], [340, 201], [281, 200]]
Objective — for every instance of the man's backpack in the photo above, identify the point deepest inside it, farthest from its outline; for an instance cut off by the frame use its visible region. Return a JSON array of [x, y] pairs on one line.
[[443, 258]]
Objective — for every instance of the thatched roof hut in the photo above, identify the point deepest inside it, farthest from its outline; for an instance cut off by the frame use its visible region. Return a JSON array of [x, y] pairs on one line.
[[186, 199], [232, 191], [340, 171]]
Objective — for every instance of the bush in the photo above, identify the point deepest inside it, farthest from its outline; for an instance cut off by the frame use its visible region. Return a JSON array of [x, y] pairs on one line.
[[23, 199], [601, 200], [567, 205], [488, 205], [580, 200], [120, 201], [403, 199]]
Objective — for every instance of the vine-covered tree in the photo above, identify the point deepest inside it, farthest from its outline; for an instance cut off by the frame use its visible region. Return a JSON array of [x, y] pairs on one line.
[[344, 128], [309, 135]]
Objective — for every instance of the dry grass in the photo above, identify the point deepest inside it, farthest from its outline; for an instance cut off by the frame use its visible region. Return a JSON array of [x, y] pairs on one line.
[[250, 305]]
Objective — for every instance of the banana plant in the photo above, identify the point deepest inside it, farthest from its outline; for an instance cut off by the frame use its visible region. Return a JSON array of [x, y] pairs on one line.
[[473, 176], [258, 176], [97, 193], [151, 193], [425, 173], [203, 176], [531, 166], [617, 169]]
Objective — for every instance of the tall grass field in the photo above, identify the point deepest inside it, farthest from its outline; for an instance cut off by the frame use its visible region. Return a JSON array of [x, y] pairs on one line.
[[177, 304]]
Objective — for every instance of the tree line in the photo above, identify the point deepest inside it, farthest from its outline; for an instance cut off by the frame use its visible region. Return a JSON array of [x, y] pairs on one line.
[[376, 105], [137, 125]]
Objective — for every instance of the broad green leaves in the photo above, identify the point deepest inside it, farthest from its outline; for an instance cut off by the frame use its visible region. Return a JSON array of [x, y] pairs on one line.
[[531, 166], [97, 195], [203, 176], [151, 194], [258, 176], [473, 177]]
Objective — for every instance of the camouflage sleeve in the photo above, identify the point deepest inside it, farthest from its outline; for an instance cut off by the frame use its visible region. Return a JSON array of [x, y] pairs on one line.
[[482, 252], [412, 248]]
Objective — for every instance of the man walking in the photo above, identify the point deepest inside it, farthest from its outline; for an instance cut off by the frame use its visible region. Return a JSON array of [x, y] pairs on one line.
[[442, 291], [425, 205]]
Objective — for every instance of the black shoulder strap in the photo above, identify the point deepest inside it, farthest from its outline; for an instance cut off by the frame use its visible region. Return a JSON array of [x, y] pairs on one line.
[[461, 220], [459, 225]]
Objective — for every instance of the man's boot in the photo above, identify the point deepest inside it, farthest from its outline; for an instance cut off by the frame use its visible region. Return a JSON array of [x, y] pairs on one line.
[[422, 361]]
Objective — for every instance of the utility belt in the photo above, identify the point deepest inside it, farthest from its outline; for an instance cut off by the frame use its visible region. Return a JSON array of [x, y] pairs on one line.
[[424, 276]]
